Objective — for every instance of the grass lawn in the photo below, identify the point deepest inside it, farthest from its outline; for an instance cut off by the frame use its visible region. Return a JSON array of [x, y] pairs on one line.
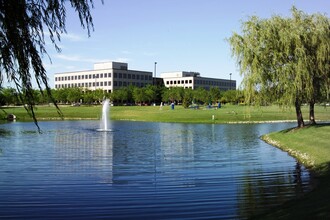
[[311, 146], [226, 114]]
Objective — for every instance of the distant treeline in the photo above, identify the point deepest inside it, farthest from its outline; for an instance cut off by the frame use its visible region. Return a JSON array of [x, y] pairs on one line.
[[126, 96]]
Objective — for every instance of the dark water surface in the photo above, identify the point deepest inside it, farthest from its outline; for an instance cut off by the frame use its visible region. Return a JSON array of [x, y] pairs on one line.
[[143, 171]]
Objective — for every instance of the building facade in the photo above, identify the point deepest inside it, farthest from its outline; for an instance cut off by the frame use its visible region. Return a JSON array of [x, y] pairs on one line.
[[193, 80], [107, 76]]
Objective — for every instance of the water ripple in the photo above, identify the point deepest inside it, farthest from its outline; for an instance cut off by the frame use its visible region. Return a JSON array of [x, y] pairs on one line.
[[143, 171]]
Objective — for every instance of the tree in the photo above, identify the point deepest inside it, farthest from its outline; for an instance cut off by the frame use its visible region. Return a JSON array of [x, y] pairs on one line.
[[74, 94], [150, 92], [9, 96], [215, 94], [173, 94], [22, 40], [284, 59], [139, 95], [188, 97], [120, 95], [231, 96], [88, 97], [201, 95]]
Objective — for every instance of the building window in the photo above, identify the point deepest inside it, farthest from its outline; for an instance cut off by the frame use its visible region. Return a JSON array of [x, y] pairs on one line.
[[167, 82], [109, 75], [129, 76], [105, 83], [101, 75], [114, 75], [120, 75], [133, 76], [190, 81]]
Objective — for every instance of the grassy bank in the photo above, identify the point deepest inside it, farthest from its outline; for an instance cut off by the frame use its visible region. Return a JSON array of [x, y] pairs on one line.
[[311, 146], [227, 114]]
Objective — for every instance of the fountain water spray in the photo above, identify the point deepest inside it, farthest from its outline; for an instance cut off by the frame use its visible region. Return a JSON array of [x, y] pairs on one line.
[[104, 125]]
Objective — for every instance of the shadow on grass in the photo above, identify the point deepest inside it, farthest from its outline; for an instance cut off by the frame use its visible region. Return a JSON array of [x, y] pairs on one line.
[[319, 125]]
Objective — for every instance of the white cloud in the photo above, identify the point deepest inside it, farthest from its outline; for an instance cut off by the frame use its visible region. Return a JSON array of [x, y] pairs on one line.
[[73, 37], [77, 58], [126, 52], [149, 54], [122, 60]]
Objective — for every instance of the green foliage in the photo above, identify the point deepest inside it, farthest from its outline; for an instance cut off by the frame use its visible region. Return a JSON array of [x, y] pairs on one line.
[[188, 98], [284, 60], [23, 44], [215, 94], [74, 95]]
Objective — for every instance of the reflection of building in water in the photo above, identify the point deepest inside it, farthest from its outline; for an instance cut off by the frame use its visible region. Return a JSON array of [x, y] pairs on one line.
[[176, 143], [85, 153]]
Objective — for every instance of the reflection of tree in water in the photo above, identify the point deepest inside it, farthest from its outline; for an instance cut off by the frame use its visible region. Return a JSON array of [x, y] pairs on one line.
[[298, 179], [259, 193]]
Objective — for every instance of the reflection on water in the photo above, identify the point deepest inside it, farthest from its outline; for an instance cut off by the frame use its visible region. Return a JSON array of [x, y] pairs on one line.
[[143, 170]]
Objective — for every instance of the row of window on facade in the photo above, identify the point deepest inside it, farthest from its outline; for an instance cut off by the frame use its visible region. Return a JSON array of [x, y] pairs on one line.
[[104, 75], [199, 82], [99, 84]]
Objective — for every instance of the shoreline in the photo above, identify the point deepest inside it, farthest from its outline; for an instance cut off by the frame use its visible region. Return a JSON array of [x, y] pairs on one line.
[[313, 204]]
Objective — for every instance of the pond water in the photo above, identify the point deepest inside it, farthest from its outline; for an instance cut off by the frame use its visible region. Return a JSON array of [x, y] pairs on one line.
[[143, 171]]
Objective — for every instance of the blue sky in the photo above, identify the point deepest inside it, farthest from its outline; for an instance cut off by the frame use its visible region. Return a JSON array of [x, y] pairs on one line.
[[180, 35]]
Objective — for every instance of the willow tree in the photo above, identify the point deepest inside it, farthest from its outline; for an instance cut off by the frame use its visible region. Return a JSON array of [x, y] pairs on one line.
[[284, 60], [23, 27]]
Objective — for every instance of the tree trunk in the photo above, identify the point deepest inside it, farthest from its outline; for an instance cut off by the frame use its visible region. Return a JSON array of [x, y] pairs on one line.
[[311, 112], [300, 119]]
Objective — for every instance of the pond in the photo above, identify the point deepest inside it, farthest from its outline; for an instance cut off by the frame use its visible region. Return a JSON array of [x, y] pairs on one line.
[[143, 170]]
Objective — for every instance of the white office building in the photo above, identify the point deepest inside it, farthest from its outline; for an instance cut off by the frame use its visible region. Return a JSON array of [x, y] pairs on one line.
[[107, 76], [193, 80]]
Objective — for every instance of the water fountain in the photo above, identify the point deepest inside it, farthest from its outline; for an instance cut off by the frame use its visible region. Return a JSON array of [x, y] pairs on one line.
[[104, 124]]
